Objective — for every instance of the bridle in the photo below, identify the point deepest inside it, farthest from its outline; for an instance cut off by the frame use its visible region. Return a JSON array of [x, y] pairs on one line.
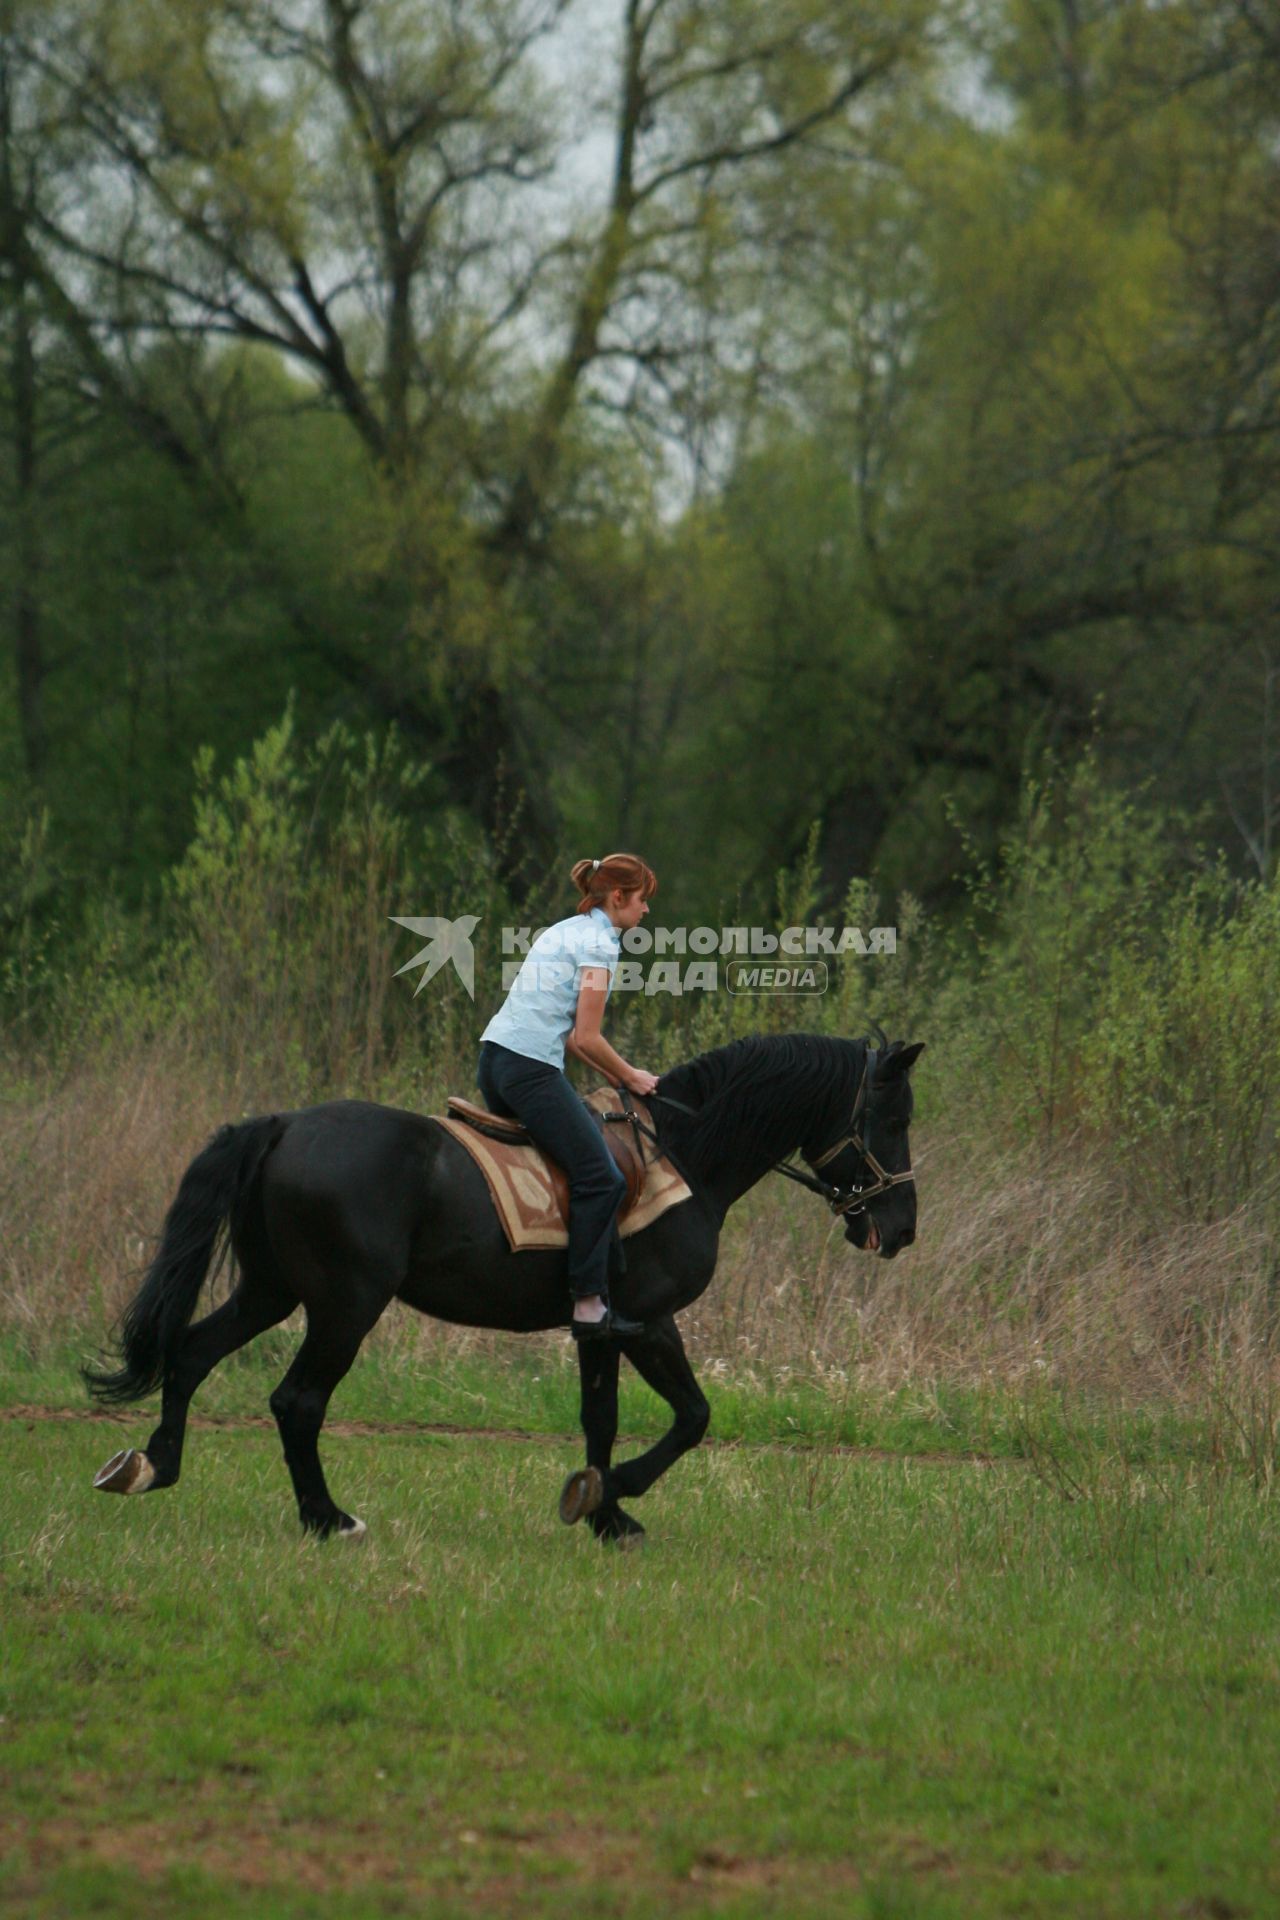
[[847, 1201], [844, 1202]]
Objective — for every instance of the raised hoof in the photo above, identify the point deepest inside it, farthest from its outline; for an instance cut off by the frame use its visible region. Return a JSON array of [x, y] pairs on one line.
[[127, 1472], [583, 1493]]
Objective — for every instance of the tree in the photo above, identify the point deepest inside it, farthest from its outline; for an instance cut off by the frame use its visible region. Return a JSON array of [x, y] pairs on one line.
[[1050, 375], [363, 188]]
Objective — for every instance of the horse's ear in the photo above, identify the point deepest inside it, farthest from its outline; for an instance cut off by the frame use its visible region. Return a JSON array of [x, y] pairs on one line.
[[902, 1060]]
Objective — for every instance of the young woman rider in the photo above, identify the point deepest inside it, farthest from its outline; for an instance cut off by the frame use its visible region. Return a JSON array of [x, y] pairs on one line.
[[556, 1003]]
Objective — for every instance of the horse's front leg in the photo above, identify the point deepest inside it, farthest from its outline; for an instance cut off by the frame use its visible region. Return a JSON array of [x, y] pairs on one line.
[[585, 1493], [660, 1359]]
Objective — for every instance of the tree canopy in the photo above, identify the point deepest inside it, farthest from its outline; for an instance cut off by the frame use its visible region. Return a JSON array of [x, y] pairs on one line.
[[684, 419]]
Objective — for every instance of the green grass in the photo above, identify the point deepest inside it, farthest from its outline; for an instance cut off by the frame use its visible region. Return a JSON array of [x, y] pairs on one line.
[[828, 1685], [532, 1386]]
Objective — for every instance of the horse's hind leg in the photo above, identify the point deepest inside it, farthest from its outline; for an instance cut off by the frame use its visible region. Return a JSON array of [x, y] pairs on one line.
[[254, 1306], [301, 1400]]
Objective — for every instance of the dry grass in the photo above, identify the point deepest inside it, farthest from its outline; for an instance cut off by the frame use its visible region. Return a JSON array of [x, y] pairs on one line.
[[1027, 1269]]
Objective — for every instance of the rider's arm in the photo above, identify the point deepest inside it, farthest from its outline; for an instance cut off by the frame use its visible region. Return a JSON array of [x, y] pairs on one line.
[[586, 1042]]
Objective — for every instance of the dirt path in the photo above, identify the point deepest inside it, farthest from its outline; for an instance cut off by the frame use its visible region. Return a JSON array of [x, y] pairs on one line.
[[372, 1429]]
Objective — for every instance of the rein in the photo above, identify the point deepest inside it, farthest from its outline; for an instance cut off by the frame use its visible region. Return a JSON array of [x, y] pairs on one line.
[[631, 1118]]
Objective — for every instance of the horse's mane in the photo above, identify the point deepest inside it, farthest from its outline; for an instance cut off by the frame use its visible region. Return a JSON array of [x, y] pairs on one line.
[[759, 1097]]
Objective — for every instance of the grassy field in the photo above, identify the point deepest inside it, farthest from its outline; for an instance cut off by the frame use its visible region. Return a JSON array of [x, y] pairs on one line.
[[832, 1682]]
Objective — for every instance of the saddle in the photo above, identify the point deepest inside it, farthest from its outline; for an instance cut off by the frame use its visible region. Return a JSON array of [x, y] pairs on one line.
[[531, 1193]]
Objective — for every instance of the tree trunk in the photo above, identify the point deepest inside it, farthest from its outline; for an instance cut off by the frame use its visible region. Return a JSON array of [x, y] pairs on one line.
[[27, 625], [499, 779]]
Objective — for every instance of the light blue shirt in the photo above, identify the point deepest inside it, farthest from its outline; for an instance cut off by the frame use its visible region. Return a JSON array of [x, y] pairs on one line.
[[542, 1005]]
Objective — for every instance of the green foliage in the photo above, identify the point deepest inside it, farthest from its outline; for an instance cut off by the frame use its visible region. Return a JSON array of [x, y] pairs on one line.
[[275, 938], [1099, 987], [1183, 1065], [842, 470], [1104, 989], [29, 933], [848, 463], [1024, 977]]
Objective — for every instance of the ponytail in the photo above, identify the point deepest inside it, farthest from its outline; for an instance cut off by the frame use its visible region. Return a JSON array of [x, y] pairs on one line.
[[596, 879]]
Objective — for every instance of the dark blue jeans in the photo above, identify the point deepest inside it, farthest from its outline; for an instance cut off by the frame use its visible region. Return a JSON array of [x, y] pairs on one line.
[[558, 1122]]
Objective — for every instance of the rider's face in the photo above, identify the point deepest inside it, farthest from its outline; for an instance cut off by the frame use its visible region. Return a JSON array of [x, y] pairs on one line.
[[628, 909]]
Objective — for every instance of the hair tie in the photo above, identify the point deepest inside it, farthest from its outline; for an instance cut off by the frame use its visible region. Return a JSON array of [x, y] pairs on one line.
[[594, 865]]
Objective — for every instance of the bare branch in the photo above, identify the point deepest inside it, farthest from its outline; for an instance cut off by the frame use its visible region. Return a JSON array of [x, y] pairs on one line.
[[735, 153]]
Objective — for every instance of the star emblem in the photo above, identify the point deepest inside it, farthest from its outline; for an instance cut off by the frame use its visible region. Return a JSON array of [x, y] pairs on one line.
[[446, 940]]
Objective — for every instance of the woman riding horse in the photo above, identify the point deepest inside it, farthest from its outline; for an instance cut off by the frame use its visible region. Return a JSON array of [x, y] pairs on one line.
[[343, 1207], [557, 1001]]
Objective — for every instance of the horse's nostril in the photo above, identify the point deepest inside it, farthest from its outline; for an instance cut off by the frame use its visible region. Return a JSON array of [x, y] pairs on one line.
[[908, 1237]]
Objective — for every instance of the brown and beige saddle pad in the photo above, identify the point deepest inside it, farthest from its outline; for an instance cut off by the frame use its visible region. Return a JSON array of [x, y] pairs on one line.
[[531, 1193]]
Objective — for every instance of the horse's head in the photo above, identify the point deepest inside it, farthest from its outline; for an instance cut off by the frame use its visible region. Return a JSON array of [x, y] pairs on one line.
[[871, 1162]]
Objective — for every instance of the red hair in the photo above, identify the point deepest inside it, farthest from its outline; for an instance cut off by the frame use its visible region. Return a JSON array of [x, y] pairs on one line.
[[596, 879]]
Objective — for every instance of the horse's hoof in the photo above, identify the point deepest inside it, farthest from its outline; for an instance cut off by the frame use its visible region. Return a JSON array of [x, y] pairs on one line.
[[583, 1493], [614, 1528], [349, 1528], [127, 1472]]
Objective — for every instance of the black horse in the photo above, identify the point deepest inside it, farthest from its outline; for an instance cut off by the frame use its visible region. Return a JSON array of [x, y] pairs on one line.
[[346, 1206]]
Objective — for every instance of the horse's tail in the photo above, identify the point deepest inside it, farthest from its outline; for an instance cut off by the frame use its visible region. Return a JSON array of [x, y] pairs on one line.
[[205, 1208]]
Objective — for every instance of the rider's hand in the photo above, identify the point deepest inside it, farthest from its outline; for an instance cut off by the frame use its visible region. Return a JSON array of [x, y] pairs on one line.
[[638, 1081]]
